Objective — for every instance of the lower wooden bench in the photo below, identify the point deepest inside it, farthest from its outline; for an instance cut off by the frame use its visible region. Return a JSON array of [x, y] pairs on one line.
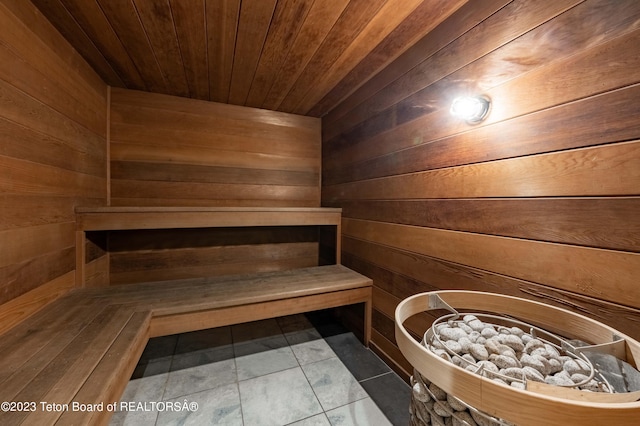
[[83, 348]]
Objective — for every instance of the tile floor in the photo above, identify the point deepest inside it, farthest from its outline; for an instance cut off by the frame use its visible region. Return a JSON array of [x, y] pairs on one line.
[[296, 370]]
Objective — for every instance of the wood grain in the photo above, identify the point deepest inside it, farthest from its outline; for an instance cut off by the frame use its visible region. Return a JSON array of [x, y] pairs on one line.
[[52, 156], [189, 18], [125, 21], [462, 52], [158, 22], [469, 15], [611, 222], [428, 108], [582, 270], [253, 26], [529, 202], [222, 25], [92, 21], [132, 267], [252, 53], [20, 308], [319, 22], [390, 16], [288, 17], [132, 170], [585, 120], [604, 170], [353, 19], [226, 157], [405, 273], [67, 28], [249, 239]]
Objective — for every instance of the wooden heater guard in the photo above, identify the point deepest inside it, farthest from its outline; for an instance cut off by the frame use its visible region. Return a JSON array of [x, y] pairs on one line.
[[540, 403]]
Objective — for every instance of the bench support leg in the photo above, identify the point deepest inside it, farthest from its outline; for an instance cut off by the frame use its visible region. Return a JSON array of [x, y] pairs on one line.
[[367, 321]]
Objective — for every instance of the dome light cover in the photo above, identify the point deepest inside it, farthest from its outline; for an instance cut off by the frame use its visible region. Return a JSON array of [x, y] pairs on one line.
[[472, 109]]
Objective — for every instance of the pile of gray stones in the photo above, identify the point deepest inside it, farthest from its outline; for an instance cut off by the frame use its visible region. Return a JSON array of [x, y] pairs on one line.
[[505, 354]]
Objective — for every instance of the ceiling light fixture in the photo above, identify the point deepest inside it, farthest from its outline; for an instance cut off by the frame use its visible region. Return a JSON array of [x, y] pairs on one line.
[[472, 109]]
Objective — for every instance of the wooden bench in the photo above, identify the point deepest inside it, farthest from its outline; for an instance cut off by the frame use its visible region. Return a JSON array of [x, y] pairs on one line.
[[82, 348]]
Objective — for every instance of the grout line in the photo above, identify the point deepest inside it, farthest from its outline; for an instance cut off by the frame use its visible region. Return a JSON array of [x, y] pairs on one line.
[[375, 377]]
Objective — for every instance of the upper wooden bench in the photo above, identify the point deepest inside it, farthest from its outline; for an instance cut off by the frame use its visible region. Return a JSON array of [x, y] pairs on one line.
[[83, 347], [129, 218]]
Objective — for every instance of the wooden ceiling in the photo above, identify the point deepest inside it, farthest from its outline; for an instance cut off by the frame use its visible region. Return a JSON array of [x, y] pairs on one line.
[[299, 56]]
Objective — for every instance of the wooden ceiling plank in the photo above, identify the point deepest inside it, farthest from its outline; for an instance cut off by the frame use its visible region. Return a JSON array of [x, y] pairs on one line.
[[287, 21], [92, 20], [190, 22], [392, 13], [65, 23], [320, 19], [426, 17], [222, 26], [123, 17], [157, 20], [353, 20], [255, 20], [457, 24]]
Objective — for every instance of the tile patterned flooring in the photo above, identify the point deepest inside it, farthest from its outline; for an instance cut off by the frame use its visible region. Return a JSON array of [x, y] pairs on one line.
[[298, 370]]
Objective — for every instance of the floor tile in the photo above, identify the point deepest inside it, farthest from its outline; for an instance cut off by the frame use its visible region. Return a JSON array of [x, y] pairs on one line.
[[202, 347], [184, 360], [360, 413], [284, 371], [199, 378], [134, 418], [159, 348], [144, 389], [156, 357], [312, 351], [204, 339], [392, 395], [246, 332], [278, 398], [333, 383], [317, 420], [261, 363], [217, 406], [258, 336], [294, 323], [147, 369], [361, 361]]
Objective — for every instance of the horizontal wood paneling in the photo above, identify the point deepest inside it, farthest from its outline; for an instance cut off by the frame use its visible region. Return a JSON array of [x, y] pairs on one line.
[[574, 268], [602, 170], [611, 223], [538, 201], [169, 151], [423, 116], [52, 158], [254, 262], [178, 151], [158, 255], [586, 120], [403, 273]]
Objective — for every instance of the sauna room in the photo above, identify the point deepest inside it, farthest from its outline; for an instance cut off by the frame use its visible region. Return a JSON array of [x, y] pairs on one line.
[[319, 212]]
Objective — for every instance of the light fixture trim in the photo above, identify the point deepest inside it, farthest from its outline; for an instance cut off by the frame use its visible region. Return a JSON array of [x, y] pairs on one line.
[[472, 109]]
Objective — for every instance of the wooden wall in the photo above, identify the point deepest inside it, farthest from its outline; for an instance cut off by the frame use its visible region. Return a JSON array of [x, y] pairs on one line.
[[541, 200], [52, 157], [170, 151]]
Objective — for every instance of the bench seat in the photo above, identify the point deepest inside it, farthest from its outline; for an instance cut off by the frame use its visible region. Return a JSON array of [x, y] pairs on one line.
[[84, 346]]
